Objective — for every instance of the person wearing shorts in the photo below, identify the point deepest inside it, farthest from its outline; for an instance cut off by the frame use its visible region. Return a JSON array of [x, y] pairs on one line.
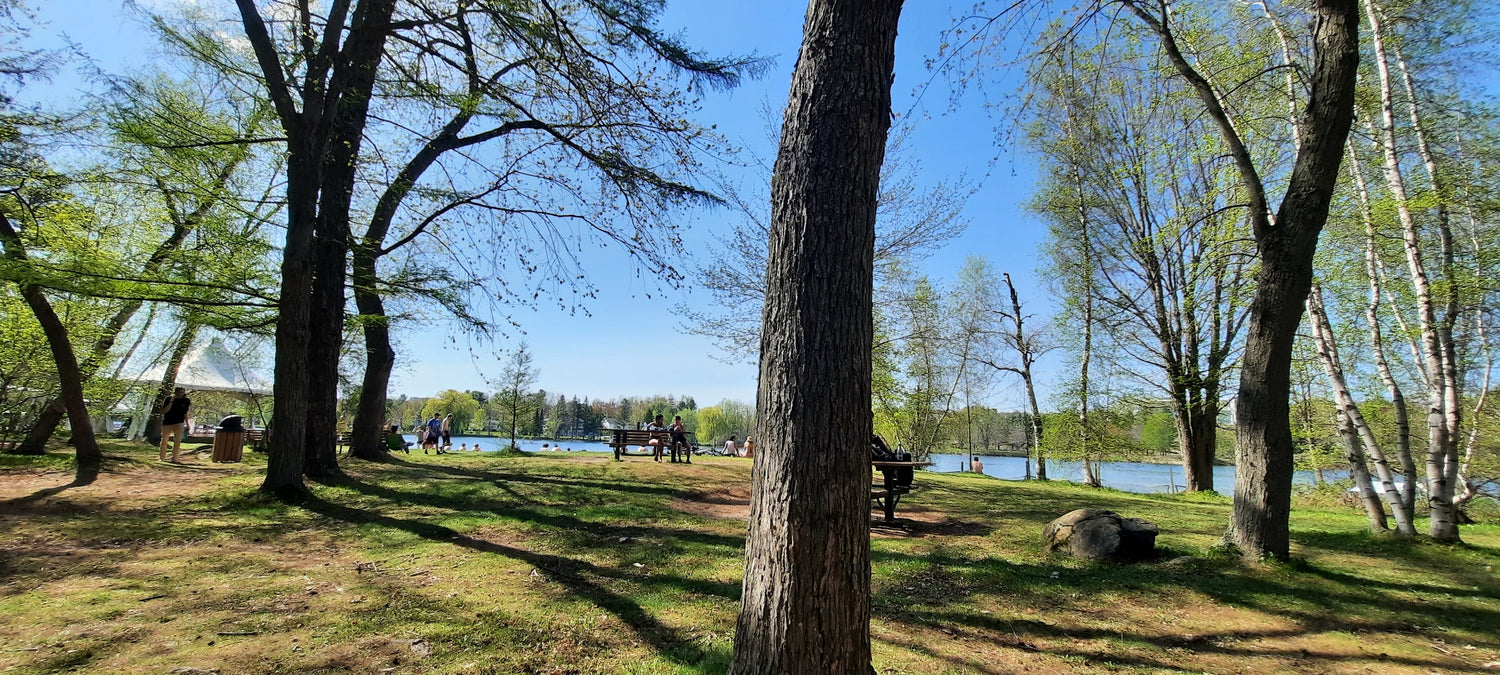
[[174, 424], [434, 433]]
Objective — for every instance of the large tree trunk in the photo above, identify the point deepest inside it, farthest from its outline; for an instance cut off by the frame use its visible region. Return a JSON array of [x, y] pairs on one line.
[[69, 377], [806, 601], [324, 347], [380, 358], [1197, 440], [1263, 480], [323, 141], [1264, 438]]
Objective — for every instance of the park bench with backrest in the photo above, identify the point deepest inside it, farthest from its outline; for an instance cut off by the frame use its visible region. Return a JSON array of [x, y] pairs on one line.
[[897, 471], [621, 439]]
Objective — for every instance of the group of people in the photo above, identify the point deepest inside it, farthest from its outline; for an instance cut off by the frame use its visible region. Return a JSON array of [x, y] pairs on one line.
[[733, 449], [679, 444], [434, 436]]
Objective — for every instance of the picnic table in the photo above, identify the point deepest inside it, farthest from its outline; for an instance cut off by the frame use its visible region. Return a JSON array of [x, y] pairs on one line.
[[623, 438], [897, 482]]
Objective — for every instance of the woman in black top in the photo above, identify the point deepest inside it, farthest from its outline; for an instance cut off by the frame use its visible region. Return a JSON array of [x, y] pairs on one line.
[[174, 423]]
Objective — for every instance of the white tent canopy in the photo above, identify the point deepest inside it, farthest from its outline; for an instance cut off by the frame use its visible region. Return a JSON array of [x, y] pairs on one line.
[[211, 367]]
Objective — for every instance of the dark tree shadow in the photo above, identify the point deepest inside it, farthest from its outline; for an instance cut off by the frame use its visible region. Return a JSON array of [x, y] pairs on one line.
[[579, 577]]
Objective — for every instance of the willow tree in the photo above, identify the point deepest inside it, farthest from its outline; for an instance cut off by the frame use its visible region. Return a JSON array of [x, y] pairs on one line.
[[805, 606]]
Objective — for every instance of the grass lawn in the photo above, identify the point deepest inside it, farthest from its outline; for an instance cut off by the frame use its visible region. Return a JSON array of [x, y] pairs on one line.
[[564, 564]]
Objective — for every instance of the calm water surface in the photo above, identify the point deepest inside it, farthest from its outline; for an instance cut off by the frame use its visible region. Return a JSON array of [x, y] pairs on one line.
[[1127, 476]]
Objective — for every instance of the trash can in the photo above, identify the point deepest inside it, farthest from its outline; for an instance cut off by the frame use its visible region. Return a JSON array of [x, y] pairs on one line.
[[229, 439]]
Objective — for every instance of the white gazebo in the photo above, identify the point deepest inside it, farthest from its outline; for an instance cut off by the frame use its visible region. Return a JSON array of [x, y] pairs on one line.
[[207, 367], [210, 367]]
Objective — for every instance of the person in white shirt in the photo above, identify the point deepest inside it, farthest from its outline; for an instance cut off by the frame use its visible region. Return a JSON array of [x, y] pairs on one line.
[[731, 448]]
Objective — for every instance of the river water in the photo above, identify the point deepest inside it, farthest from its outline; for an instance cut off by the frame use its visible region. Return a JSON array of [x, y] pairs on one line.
[[1127, 476]]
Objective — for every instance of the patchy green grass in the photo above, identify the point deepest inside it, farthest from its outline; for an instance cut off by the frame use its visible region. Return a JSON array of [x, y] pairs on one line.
[[561, 564]]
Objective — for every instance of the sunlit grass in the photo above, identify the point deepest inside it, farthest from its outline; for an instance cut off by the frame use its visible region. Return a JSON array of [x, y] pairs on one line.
[[476, 563]]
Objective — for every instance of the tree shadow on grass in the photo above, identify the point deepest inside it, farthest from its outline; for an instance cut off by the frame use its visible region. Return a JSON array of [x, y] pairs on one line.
[[1018, 634], [581, 578], [932, 590], [518, 477], [564, 523]]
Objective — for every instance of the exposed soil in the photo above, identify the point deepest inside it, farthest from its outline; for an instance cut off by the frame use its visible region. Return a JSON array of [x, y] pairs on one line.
[[733, 503], [120, 486]]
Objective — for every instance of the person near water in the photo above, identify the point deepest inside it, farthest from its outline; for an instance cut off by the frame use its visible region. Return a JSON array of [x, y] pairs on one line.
[[731, 448], [448, 431], [394, 441], [679, 440], [749, 450], [434, 432], [174, 424]]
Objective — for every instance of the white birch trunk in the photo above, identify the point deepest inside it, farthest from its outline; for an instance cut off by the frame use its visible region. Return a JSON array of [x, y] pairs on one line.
[[1441, 454], [1377, 340], [1349, 410]]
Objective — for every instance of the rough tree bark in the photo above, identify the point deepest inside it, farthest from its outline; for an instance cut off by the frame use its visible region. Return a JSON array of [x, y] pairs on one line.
[[1263, 480], [806, 601], [69, 377], [333, 87]]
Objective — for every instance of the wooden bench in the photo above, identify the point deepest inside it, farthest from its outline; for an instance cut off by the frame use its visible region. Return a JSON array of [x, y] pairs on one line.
[[620, 439], [897, 483]]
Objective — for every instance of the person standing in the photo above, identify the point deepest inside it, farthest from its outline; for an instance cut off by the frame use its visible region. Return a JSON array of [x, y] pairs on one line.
[[174, 424], [434, 432], [448, 431]]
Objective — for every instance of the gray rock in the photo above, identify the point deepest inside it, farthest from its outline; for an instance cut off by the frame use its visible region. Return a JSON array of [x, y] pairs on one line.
[[1097, 534]]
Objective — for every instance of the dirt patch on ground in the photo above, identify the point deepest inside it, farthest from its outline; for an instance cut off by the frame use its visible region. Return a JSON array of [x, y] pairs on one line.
[[733, 503], [120, 486], [730, 503], [920, 523]]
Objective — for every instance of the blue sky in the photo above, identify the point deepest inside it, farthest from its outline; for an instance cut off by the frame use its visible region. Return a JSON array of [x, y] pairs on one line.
[[628, 346]]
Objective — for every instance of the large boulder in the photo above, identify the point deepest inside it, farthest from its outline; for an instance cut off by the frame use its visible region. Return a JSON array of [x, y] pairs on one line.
[[1097, 534]]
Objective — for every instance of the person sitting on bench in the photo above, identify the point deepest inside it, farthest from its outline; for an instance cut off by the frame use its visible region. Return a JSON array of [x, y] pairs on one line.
[[679, 440], [654, 444]]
